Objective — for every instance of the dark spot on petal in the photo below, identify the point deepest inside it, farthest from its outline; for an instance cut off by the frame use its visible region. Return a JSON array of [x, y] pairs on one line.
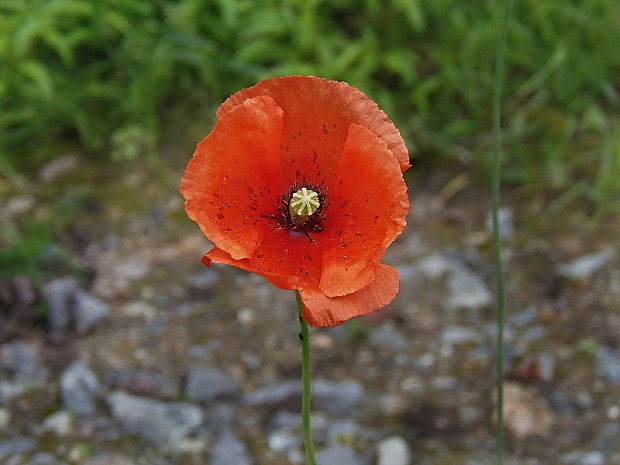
[[376, 217], [220, 216]]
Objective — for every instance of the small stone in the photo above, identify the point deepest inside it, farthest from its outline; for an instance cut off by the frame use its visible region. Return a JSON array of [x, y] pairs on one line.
[[274, 394], [229, 450], [457, 335], [59, 295], [337, 398], [586, 266], [144, 383], [163, 424], [58, 167], [283, 441], [59, 423], [203, 280], [220, 415], [470, 415], [584, 458], [246, 316], [467, 290], [14, 446], [393, 451], [608, 364], [613, 413], [337, 455], [525, 412], [10, 390], [88, 311], [343, 433], [78, 388], [43, 458], [23, 360], [207, 384], [386, 338], [78, 453]]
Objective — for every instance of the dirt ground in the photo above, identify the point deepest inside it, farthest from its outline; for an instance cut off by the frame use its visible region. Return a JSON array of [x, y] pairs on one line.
[[159, 360]]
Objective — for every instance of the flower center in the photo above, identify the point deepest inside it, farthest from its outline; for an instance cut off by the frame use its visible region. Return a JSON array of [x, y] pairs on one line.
[[304, 203]]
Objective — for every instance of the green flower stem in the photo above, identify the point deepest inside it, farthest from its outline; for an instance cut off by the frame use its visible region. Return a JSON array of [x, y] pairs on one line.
[[306, 393], [497, 247]]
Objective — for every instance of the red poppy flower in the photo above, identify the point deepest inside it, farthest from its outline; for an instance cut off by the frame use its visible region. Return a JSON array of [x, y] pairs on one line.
[[301, 182]]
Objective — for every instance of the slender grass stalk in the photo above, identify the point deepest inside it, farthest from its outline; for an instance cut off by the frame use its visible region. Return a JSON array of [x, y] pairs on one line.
[[306, 393], [497, 247]]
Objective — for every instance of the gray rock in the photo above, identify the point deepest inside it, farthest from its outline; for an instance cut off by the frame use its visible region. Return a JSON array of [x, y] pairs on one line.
[[586, 266], [23, 361], [229, 450], [59, 295], [78, 389], [337, 398], [43, 458], [59, 423], [274, 394], [144, 383], [337, 455], [9, 390], [342, 433], [456, 335], [14, 446], [88, 311], [163, 424], [284, 441], [387, 338], [207, 384], [608, 364], [506, 225], [393, 451], [467, 290], [203, 280], [220, 415], [584, 458]]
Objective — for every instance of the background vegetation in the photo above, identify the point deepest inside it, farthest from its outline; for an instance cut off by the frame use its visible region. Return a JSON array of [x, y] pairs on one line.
[[109, 76]]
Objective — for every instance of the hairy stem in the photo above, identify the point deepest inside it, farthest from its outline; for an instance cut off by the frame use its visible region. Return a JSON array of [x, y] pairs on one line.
[[306, 393]]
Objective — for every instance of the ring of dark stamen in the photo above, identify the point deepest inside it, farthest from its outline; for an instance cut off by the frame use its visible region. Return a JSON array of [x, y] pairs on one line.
[[282, 218]]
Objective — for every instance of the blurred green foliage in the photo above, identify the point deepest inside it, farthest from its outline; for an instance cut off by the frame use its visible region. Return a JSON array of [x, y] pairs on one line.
[[27, 243], [109, 71]]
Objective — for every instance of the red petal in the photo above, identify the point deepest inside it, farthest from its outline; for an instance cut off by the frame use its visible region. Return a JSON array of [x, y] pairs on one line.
[[289, 260], [318, 113], [219, 256], [320, 310], [230, 181], [368, 205]]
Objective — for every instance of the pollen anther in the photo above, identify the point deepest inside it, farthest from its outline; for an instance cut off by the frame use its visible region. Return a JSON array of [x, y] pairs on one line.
[[304, 202]]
